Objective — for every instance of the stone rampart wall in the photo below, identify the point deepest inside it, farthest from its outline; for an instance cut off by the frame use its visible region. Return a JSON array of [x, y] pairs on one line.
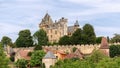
[[85, 49]]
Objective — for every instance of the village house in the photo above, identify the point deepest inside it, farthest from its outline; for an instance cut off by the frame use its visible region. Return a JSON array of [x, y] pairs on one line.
[[49, 59]]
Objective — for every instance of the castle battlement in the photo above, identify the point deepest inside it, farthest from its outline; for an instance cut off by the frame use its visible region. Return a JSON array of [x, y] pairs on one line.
[[85, 49]]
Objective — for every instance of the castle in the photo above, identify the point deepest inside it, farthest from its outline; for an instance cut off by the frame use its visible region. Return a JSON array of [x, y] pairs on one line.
[[56, 30]]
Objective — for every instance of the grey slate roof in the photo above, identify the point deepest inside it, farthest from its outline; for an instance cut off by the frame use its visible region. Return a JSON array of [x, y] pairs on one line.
[[46, 19], [70, 29], [76, 23], [49, 55]]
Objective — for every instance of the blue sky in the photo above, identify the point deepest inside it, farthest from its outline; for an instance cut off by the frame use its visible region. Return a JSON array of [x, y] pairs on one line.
[[16, 15]]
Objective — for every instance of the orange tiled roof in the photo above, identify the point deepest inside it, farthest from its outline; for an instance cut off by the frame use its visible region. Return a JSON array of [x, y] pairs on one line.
[[24, 54]]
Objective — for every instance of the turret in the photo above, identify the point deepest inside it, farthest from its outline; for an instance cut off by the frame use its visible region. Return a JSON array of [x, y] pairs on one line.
[[104, 48], [63, 20], [46, 21], [76, 24]]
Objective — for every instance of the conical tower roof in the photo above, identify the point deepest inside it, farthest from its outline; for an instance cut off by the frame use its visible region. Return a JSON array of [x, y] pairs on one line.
[[104, 44], [76, 23], [47, 19], [49, 55]]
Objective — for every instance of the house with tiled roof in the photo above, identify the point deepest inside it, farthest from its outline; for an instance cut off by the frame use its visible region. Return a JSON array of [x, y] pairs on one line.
[[22, 53], [76, 54]]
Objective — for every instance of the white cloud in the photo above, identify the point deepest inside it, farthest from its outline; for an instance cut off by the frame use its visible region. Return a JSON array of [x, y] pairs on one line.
[[27, 14], [98, 7]]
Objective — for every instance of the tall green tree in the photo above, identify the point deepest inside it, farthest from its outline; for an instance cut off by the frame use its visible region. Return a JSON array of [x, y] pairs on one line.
[[65, 40], [6, 40], [40, 38], [24, 39], [36, 58], [98, 40], [89, 34], [3, 59], [116, 38], [76, 37]]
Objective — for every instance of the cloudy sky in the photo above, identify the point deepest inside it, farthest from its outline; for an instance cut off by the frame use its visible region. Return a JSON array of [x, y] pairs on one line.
[[16, 15]]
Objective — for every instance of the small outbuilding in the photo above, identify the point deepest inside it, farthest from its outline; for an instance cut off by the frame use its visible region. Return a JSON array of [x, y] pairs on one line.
[[49, 59], [104, 46]]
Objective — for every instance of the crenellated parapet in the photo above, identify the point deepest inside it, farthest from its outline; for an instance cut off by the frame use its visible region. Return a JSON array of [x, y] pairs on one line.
[[85, 49]]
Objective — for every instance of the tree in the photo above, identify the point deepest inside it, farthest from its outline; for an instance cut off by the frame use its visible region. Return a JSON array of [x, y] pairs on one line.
[[36, 58], [21, 63], [96, 56], [6, 40], [24, 39], [3, 59], [65, 40], [98, 40], [89, 34], [41, 37], [108, 39], [116, 38], [114, 50], [76, 37]]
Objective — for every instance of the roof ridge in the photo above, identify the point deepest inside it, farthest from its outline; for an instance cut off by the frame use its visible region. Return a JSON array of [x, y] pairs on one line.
[[49, 55]]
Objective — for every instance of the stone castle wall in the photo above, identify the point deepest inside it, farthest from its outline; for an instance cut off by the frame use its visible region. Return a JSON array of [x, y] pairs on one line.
[[85, 49]]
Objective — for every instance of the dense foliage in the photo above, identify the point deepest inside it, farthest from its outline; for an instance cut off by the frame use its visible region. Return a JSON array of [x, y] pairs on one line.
[[96, 60], [65, 40], [41, 37], [24, 39], [116, 38], [76, 37], [6, 40], [80, 36], [3, 59], [21, 63], [98, 40], [36, 58], [114, 50], [89, 36]]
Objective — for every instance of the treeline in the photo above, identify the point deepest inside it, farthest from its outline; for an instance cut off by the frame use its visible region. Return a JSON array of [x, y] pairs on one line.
[[25, 39], [85, 35]]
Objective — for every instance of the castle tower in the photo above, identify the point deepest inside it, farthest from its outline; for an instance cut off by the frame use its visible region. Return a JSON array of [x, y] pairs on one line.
[[104, 46], [63, 22], [46, 21], [76, 25]]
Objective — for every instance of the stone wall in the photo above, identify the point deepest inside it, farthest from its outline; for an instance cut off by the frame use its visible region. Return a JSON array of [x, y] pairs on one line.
[[85, 49]]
